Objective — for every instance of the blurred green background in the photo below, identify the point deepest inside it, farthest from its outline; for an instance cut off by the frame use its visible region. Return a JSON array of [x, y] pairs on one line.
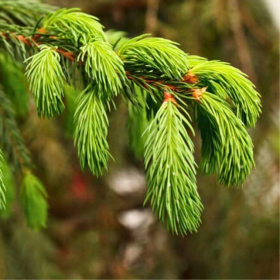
[[98, 228]]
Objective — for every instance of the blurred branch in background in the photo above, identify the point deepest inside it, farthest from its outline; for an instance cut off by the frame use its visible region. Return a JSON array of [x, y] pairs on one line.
[[98, 227], [240, 39], [151, 16]]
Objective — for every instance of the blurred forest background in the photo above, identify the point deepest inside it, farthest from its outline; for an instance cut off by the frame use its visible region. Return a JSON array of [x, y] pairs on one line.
[[97, 227]]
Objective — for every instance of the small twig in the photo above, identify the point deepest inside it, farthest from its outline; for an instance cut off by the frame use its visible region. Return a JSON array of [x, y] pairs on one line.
[[187, 78]]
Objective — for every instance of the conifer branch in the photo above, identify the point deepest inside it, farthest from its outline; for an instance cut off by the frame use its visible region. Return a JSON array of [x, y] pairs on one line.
[[137, 123], [10, 138], [145, 53], [24, 12], [171, 170], [228, 81], [104, 67], [62, 44], [33, 198], [46, 80], [227, 148], [74, 25], [9, 192], [91, 131], [14, 84]]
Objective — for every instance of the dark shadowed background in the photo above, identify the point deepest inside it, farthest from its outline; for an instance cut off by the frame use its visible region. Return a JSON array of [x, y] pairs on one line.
[[98, 228]]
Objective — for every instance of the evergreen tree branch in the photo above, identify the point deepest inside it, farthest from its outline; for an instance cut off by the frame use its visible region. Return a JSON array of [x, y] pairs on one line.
[[104, 67], [10, 138], [9, 192], [46, 79], [23, 12], [147, 53], [227, 81], [33, 198], [75, 25], [171, 170], [227, 148], [61, 45], [137, 123], [91, 127], [14, 84]]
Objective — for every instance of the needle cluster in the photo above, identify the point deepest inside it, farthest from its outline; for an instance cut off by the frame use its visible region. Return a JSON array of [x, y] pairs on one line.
[[159, 82]]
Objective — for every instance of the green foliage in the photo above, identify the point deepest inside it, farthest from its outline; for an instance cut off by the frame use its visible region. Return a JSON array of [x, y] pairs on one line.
[[68, 46], [25, 12], [33, 198], [137, 123], [171, 171], [75, 25], [70, 100], [46, 79], [194, 60], [12, 45], [18, 18], [144, 53], [91, 131], [114, 37], [104, 67], [227, 81], [8, 179], [227, 148], [14, 84], [10, 137]]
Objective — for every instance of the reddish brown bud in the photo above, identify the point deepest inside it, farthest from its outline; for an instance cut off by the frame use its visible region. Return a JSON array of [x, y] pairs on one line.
[[69, 55], [40, 30], [24, 40], [190, 78], [171, 87], [197, 93], [169, 97], [3, 34]]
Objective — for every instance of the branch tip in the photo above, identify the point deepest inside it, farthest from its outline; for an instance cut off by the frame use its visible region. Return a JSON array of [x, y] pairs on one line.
[[169, 97], [190, 78], [197, 93]]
